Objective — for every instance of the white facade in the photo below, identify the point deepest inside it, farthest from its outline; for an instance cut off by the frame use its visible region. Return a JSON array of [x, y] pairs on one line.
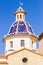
[[17, 44], [18, 17]]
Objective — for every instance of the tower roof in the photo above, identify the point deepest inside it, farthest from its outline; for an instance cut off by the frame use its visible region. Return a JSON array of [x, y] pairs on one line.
[[20, 10], [21, 27], [40, 36]]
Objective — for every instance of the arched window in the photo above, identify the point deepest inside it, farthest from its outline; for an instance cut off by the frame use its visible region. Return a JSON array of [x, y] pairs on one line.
[[22, 43], [17, 16], [20, 16], [32, 44], [11, 44]]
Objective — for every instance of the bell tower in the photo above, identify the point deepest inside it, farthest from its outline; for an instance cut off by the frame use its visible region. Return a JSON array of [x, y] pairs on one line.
[[20, 14], [20, 34]]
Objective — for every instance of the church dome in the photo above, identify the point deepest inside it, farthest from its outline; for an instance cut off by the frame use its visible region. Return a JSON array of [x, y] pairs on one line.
[[21, 27]]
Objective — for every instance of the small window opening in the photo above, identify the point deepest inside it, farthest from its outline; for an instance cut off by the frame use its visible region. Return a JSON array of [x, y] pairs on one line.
[[11, 44], [32, 44], [20, 16], [24, 60], [22, 43]]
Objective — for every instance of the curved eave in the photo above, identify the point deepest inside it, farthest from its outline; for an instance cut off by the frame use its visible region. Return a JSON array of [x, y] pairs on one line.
[[33, 37], [19, 12]]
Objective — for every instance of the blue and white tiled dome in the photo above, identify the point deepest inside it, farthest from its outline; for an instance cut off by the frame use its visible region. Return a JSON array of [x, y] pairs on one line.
[[21, 27]]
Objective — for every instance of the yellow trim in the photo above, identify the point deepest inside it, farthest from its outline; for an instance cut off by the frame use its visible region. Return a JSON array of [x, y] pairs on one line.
[[25, 49], [19, 12], [34, 38], [2, 56], [3, 62]]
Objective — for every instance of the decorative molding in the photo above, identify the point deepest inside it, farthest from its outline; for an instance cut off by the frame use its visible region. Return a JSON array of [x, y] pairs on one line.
[[33, 37], [3, 62], [24, 49], [2, 57]]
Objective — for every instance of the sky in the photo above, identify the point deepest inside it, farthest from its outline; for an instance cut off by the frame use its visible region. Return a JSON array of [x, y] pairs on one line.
[[34, 16]]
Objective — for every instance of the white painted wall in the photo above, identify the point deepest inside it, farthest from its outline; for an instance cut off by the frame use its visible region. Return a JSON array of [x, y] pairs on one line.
[[3, 59], [28, 43], [17, 44], [23, 16]]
